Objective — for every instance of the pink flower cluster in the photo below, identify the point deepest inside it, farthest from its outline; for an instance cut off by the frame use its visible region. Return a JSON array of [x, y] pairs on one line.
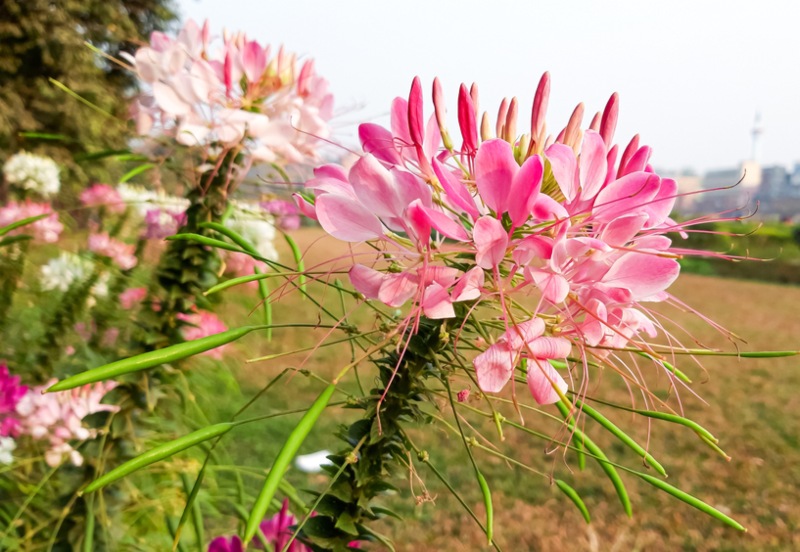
[[286, 213], [58, 417], [103, 196], [238, 91], [201, 324], [277, 532], [47, 230], [567, 220], [121, 253], [11, 392], [163, 222]]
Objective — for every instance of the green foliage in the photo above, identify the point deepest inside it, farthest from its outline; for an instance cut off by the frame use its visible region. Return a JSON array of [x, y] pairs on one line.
[[39, 41]]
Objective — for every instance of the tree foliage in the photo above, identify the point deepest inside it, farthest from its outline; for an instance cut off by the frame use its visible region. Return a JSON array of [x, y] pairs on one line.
[[46, 39]]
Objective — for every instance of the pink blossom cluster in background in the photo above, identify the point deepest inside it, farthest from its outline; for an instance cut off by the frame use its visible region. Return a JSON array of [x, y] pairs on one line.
[[572, 220], [203, 92], [121, 253], [103, 196], [286, 213], [163, 222], [58, 417], [11, 392], [47, 230], [201, 324], [277, 532]]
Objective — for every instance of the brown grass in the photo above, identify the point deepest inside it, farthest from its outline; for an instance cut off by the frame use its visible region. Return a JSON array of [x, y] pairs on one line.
[[753, 407]]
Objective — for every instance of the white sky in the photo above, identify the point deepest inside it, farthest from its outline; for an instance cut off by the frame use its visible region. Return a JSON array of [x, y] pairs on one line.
[[691, 74]]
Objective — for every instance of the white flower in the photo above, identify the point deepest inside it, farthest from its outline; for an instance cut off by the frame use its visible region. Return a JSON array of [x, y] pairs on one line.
[[255, 225], [7, 446], [146, 200], [68, 268], [34, 173]]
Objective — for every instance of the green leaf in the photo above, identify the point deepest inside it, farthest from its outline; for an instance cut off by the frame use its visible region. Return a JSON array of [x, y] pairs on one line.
[[282, 461], [159, 453], [22, 222], [136, 171], [573, 495], [690, 500], [152, 358]]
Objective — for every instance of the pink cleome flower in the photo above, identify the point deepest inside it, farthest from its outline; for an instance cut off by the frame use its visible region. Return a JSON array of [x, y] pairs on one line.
[[121, 253], [58, 417], [564, 220], [47, 229], [237, 93], [103, 196], [201, 324]]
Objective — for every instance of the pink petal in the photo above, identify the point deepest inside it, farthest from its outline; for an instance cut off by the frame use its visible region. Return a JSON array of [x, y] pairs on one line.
[[466, 120], [490, 240], [662, 204], [532, 247], [169, 101], [593, 164], [375, 188], [541, 379], [517, 336], [525, 189], [396, 289], [440, 221], [565, 169], [622, 230], [304, 206], [367, 281], [547, 208], [642, 274], [495, 168], [254, 61], [455, 190], [549, 347], [436, 302], [379, 142], [626, 195], [554, 287], [494, 367], [469, 286], [415, 117], [347, 220]]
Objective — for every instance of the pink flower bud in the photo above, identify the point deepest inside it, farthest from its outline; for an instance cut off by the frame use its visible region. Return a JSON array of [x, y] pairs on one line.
[[466, 120], [608, 123], [416, 122]]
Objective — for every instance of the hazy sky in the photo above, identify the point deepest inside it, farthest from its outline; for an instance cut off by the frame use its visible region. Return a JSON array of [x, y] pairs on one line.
[[691, 74]]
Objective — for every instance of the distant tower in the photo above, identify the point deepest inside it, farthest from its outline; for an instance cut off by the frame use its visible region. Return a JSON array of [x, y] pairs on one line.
[[755, 153]]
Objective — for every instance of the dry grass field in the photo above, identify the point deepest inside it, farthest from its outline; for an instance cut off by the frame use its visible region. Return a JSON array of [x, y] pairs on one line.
[[753, 407]]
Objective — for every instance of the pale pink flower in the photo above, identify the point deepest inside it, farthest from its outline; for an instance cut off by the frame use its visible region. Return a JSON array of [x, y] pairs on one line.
[[47, 230], [121, 253], [237, 93], [162, 222], [58, 417], [286, 213], [103, 196]]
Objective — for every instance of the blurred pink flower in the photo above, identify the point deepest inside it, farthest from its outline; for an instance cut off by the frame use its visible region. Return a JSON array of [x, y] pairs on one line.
[[46, 230], [163, 222], [286, 213], [103, 196], [226, 544], [58, 417], [121, 253], [10, 394], [201, 324], [131, 297]]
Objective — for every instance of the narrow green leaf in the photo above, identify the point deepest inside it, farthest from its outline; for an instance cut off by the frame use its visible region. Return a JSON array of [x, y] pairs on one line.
[[159, 453], [189, 506], [282, 461], [22, 222], [136, 171], [205, 240], [152, 358], [70, 92], [46, 136], [298, 259], [690, 500], [573, 495], [622, 436], [238, 281], [487, 503], [88, 530], [601, 458]]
